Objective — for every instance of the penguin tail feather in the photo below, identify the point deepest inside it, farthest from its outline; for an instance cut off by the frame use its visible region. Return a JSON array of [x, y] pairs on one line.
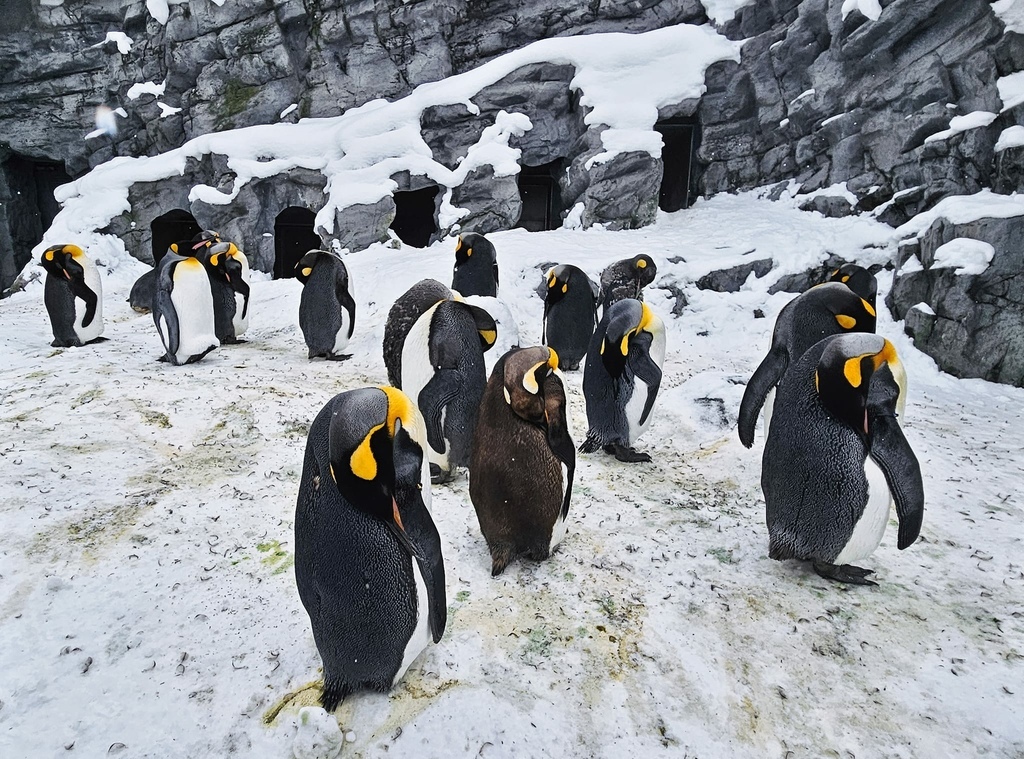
[[591, 444], [501, 556], [334, 694], [780, 550]]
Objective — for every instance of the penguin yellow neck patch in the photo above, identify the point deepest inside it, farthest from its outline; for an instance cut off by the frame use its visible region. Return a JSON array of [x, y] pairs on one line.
[[399, 407], [552, 358], [362, 463]]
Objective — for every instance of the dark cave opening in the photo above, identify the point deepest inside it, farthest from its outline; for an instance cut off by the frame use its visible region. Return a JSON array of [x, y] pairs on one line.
[[173, 226], [541, 196], [415, 222], [681, 138], [294, 237]]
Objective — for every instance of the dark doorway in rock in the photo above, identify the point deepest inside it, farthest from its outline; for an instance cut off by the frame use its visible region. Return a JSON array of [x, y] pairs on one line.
[[541, 196], [680, 136], [174, 226], [28, 207], [415, 221], [293, 238]]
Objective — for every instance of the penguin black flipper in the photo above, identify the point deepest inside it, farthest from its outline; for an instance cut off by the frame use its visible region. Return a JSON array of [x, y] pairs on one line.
[[442, 388], [644, 368], [765, 377], [83, 291], [347, 302], [557, 428], [423, 534], [891, 451]]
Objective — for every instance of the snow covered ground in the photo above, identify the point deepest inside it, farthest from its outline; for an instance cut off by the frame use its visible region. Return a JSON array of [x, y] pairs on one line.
[[148, 605]]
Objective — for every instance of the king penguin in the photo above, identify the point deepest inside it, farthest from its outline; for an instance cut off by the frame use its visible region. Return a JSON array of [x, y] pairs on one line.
[[621, 378], [434, 350], [828, 309], [368, 561], [73, 296], [570, 314], [626, 279], [228, 269], [476, 266], [327, 309], [144, 290], [520, 448], [183, 309], [836, 458], [858, 279]]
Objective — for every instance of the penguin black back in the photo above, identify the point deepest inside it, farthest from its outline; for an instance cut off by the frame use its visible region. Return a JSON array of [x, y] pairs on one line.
[[327, 310], [836, 420], [368, 563], [627, 279], [521, 443], [570, 314], [476, 266], [828, 309]]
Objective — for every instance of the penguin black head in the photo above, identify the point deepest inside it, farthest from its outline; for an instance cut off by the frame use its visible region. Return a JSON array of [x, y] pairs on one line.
[[304, 268], [625, 320], [831, 303], [63, 261], [377, 450], [858, 279], [223, 257], [471, 244], [859, 376], [558, 284], [199, 242]]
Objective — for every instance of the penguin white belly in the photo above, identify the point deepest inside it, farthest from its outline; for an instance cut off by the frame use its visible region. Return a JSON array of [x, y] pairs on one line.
[[421, 636], [558, 530], [193, 304], [417, 371], [769, 407], [868, 531], [341, 339], [93, 282], [636, 402], [238, 322]]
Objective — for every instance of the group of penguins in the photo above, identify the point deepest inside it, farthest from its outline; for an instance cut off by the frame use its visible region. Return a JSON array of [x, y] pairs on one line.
[[368, 562]]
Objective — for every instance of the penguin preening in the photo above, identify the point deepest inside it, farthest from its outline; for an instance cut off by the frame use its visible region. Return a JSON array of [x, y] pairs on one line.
[[621, 378], [434, 351], [570, 313], [476, 266], [626, 279], [828, 309], [858, 279], [183, 309], [228, 270], [144, 290], [368, 561], [836, 458], [327, 309], [73, 296], [521, 444]]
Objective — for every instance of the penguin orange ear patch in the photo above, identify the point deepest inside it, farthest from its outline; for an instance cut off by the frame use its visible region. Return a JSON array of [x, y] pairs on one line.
[[641, 264], [488, 336], [362, 462], [846, 322], [868, 307], [307, 271], [565, 288]]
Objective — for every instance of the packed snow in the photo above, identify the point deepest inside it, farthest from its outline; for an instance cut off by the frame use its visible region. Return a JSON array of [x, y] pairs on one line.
[[721, 11], [123, 41], [139, 89], [870, 9], [1012, 14], [146, 583], [1011, 90], [958, 124], [967, 255], [1011, 137]]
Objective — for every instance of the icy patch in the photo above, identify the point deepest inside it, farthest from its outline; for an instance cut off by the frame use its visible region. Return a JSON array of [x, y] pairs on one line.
[[1011, 90], [167, 110], [574, 219], [911, 265], [289, 109], [318, 736], [924, 308], [146, 88], [158, 10], [870, 9], [1011, 137], [959, 124], [802, 95], [968, 255], [1011, 13]]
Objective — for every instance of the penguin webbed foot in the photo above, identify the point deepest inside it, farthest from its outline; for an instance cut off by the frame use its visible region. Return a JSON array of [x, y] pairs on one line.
[[338, 356], [333, 695], [162, 359], [439, 476], [626, 453], [845, 573], [97, 340]]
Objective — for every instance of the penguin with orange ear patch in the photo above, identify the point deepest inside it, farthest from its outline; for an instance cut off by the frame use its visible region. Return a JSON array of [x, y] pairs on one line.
[[523, 460], [73, 295], [836, 458], [368, 561], [828, 309], [858, 279], [476, 266]]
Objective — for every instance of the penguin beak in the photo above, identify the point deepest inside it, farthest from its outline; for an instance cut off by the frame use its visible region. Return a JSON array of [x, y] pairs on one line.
[[396, 526], [66, 275]]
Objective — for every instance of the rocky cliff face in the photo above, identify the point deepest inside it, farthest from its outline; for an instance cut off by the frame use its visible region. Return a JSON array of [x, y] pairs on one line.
[[818, 96]]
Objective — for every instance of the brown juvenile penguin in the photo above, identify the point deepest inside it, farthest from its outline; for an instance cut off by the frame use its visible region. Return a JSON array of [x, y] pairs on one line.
[[520, 445]]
